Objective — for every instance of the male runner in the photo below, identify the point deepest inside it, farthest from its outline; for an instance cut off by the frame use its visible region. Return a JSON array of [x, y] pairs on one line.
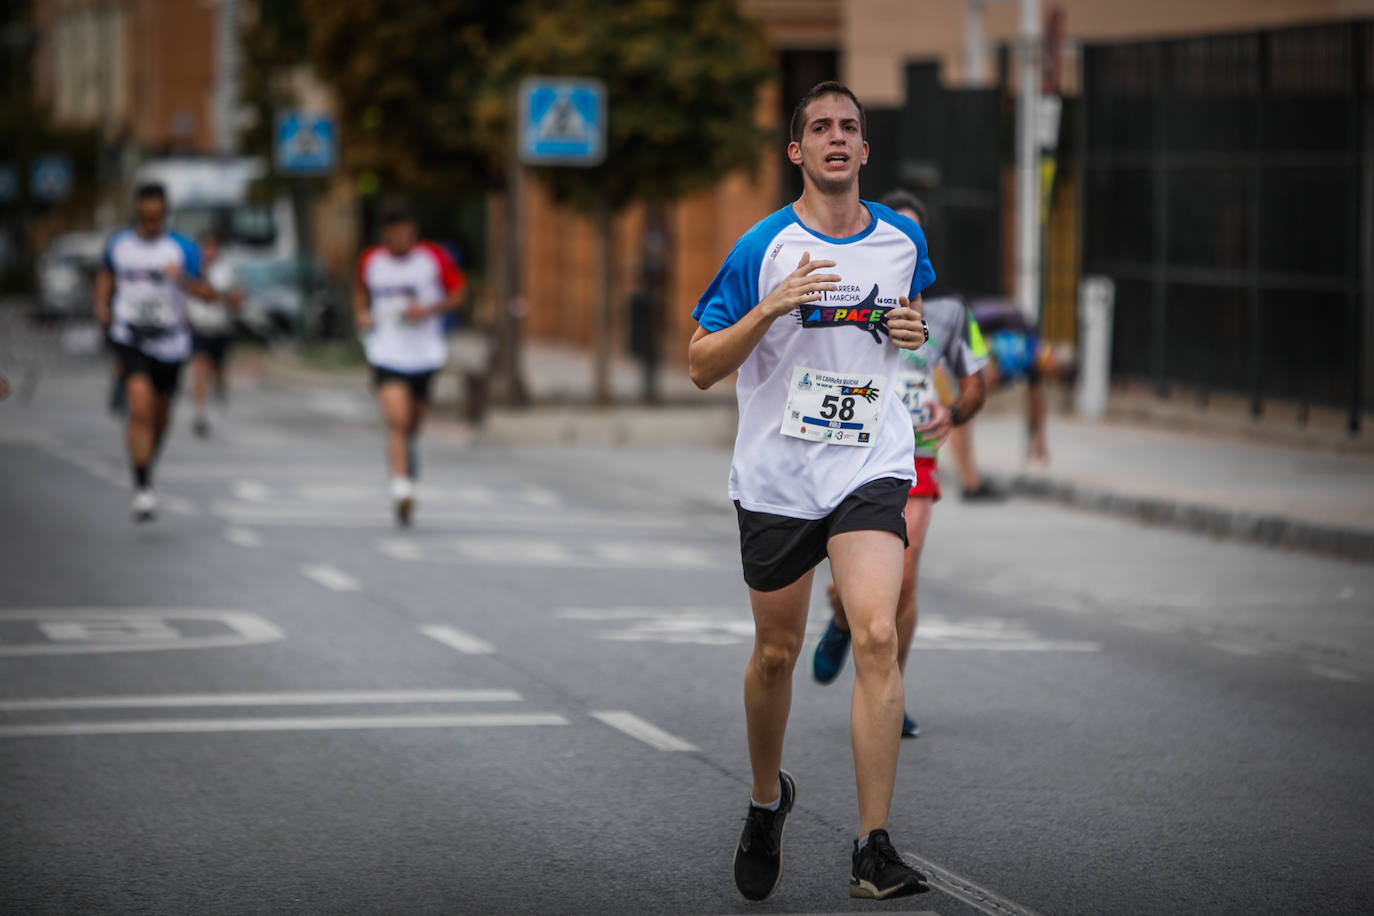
[[212, 330], [140, 299], [822, 463], [404, 287], [955, 339]]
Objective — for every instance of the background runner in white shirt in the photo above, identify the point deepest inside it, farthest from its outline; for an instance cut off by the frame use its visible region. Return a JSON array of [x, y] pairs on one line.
[[811, 307], [140, 299], [212, 330], [956, 343], [404, 286]]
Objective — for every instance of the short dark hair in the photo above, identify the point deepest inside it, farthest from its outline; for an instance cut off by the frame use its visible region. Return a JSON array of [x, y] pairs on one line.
[[150, 190], [902, 199], [396, 212], [829, 87]]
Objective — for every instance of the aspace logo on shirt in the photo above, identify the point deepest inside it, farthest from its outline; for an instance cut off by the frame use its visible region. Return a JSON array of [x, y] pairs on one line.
[[865, 315]]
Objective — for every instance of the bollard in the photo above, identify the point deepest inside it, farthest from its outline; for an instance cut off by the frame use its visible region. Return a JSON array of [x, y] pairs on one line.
[[1096, 298]]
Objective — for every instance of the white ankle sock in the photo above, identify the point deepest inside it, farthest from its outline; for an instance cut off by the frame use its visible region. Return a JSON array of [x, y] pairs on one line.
[[774, 805]]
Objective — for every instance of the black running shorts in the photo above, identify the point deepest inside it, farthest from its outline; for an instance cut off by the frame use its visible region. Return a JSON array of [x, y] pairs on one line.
[[214, 346], [418, 382], [777, 550], [133, 361]]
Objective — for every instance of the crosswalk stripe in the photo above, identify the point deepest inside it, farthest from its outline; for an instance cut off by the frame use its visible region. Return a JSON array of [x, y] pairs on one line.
[[278, 724], [455, 638], [330, 577]]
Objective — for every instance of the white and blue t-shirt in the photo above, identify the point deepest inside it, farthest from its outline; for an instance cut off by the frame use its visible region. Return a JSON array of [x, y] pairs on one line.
[[845, 333], [149, 308]]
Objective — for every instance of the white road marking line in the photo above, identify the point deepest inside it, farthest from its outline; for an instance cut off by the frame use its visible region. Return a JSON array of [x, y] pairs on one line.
[[298, 513], [251, 491], [401, 549], [1335, 674], [244, 537], [982, 899], [635, 727], [330, 577], [91, 630], [455, 638], [320, 723], [278, 698]]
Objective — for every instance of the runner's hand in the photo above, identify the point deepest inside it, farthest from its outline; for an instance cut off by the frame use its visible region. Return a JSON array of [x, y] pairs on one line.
[[904, 324], [800, 287], [415, 313], [940, 426], [362, 322]]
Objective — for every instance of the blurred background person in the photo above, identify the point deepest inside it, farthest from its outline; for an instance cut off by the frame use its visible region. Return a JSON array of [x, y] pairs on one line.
[[212, 331], [404, 287], [140, 300], [1017, 353], [956, 345]]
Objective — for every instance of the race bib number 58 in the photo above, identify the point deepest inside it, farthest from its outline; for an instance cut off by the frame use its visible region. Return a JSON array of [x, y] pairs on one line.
[[832, 408]]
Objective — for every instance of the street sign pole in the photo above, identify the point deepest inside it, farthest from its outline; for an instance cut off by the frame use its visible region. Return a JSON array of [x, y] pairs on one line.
[[305, 148], [562, 123]]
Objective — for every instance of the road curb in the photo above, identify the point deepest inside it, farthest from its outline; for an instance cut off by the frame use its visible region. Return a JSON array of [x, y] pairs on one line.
[[1270, 530]]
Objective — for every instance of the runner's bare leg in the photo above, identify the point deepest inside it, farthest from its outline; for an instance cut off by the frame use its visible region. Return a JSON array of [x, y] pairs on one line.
[[398, 412], [917, 523], [779, 630], [867, 567]]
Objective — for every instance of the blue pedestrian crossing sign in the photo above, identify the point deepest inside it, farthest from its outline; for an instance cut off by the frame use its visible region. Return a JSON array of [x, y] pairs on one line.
[[562, 121], [51, 178], [305, 143]]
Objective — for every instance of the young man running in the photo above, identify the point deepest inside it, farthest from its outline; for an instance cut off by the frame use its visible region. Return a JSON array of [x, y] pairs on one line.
[[813, 306], [404, 287], [955, 340], [140, 299]]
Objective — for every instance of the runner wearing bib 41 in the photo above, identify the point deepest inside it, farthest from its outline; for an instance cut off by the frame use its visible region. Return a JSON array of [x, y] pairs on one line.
[[955, 342]]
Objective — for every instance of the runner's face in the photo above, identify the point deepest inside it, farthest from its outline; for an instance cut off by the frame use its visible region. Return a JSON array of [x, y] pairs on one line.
[[832, 147], [399, 236], [150, 214]]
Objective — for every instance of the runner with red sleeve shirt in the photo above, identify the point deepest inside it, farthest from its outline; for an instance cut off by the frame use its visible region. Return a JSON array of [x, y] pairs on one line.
[[403, 288]]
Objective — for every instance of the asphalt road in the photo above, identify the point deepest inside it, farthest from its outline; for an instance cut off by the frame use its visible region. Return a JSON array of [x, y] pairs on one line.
[[273, 701]]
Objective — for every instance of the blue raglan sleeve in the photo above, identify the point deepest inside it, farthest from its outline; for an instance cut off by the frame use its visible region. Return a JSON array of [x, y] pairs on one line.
[[924, 275], [190, 255], [735, 289]]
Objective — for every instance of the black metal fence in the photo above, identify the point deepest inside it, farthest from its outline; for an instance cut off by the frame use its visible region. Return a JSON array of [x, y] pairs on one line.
[[949, 146], [1228, 186]]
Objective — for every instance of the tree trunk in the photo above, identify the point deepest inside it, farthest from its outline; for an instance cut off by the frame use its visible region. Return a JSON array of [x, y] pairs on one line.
[[601, 379]]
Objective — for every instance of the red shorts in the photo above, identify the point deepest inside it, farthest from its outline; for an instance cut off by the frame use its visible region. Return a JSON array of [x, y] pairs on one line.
[[927, 484]]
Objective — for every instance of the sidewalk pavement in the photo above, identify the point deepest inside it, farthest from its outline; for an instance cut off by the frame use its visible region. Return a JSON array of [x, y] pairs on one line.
[[1211, 470]]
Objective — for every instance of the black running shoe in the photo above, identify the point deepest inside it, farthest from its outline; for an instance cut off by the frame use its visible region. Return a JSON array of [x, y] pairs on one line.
[[985, 492], [758, 858], [879, 873]]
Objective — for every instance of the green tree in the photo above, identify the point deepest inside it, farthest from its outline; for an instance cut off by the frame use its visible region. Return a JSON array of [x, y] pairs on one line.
[[407, 76], [683, 79]]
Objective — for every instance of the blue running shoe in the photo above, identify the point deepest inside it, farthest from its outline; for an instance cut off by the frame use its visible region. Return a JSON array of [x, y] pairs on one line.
[[909, 727], [830, 652]]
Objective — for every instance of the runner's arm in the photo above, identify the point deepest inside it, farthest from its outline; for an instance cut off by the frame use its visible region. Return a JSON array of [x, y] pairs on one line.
[[362, 312], [712, 355], [104, 289]]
